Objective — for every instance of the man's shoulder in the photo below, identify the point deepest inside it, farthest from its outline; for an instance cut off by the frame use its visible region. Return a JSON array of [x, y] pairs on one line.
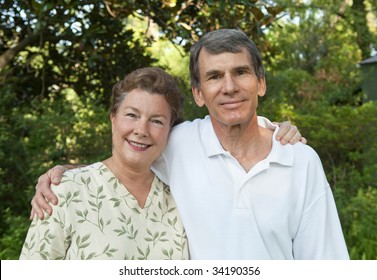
[[193, 123], [189, 127], [305, 152]]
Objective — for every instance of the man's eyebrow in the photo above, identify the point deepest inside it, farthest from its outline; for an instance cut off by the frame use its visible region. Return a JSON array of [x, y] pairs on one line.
[[243, 67], [211, 72]]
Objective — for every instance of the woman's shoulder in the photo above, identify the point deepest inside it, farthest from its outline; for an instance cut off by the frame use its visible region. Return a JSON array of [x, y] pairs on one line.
[[85, 170], [78, 177], [161, 186]]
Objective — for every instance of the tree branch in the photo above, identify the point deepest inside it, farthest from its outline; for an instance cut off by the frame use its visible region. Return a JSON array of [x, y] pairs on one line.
[[9, 54]]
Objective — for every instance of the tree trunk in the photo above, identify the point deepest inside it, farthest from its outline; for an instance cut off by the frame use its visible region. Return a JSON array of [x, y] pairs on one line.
[[360, 26]]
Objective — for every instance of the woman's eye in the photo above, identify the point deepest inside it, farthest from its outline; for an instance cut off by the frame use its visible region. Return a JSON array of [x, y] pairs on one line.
[[157, 122], [131, 115]]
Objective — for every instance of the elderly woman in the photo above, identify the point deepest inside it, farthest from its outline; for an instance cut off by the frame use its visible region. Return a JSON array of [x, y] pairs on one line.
[[118, 208]]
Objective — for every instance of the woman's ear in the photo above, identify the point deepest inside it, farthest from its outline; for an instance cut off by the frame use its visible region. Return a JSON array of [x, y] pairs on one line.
[[112, 119]]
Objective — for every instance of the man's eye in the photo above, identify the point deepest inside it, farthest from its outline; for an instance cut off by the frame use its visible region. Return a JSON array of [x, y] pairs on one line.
[[214, 77], [131, 115], [241, 72]]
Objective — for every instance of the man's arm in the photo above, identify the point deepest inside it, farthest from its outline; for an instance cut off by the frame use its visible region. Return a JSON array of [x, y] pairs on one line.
[[288, 133], [319, 234], [43, 194]]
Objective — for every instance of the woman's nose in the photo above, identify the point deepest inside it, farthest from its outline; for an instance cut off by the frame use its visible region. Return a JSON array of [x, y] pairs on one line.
[[141, 128]]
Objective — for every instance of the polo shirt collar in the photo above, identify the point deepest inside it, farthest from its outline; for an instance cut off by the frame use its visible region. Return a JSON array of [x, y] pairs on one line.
[[210, 141], [280, 154]]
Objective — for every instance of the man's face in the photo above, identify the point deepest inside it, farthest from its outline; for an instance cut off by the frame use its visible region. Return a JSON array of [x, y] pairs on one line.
[[229, 87]]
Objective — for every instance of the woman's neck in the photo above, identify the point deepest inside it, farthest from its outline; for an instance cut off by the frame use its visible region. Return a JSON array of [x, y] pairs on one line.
[[137, 181]]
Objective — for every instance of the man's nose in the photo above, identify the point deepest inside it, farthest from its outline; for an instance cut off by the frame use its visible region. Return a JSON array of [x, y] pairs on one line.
[[230, 85]]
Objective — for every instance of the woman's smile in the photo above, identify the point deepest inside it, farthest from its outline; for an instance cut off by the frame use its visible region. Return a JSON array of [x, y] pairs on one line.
[[138, 146]]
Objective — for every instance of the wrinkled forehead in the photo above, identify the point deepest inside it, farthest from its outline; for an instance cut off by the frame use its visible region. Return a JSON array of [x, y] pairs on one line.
[[208, 60]]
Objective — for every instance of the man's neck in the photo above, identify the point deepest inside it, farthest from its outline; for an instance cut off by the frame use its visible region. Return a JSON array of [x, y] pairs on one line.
[[248, 143]]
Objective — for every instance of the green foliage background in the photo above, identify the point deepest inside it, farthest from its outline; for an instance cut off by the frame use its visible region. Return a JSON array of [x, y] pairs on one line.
[[59, 60]]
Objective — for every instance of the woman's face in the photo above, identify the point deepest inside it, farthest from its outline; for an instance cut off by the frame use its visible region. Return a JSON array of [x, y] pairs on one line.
[[140, 128]]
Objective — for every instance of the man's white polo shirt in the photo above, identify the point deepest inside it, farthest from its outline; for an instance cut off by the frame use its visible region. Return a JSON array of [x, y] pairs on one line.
[[282, 208]]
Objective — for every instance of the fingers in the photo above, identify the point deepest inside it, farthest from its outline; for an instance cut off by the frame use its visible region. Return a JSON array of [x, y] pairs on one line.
[[43, 193], [295, 138], [56, 173], [39, 207], [32, 214], [289, 133]]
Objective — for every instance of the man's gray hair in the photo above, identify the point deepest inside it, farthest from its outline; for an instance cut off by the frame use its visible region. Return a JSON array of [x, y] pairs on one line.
[[220, 41]]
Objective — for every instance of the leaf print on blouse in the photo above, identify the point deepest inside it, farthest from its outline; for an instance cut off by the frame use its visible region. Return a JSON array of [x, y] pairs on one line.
[[128, 229], [38, 245], [65, 200], [181, 242], [96, 205], [155, 237], [100, 220], [125, 198], [159, 217], [143, 254], [114, 180], [73, 173], [83, 243], [169, 253]]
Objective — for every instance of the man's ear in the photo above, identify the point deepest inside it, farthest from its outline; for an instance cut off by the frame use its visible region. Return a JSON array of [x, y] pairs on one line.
[[262, 87], [197, 93]]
